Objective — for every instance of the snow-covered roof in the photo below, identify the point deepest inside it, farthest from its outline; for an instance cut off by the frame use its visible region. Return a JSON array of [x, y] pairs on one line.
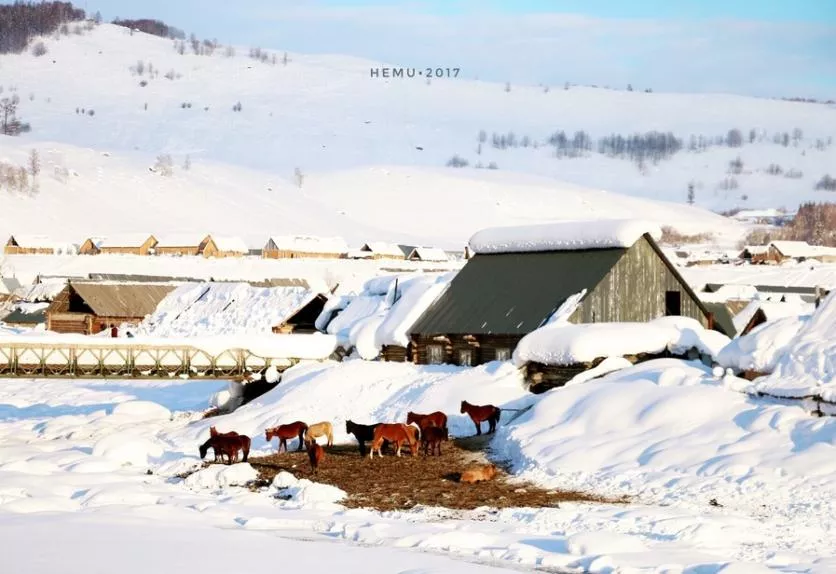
[[307, 244], [33, 241], [44, 291], [562, 343], [793, 248], [428, 254], [199, 309], [756, 249], [416, 294], [230, 243], [8, 285], [382, 248], [122, 240], [563, 236], [181, 240]]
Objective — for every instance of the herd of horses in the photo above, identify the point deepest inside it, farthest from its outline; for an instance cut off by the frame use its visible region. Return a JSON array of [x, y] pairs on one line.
[[428, 430]]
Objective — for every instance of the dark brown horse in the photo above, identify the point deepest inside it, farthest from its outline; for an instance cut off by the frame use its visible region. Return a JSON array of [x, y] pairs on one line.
[[432, 437], [315, 455], [480, 413], [286, 432], [363, 434], [397, 433], [436, 419], [213, 432], [227, 445]]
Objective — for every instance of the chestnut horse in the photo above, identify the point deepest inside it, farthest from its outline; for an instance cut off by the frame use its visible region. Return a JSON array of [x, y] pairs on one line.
[[436, 419], [479, 413], [397, 433], [321, 429], [213, 432], [285, 432], [432, 437], [227, 445], [315, 455]]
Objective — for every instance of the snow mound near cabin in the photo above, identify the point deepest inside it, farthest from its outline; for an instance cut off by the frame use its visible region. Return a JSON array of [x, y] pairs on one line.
[[563, 236], [561, 343], [669, 430], [127, 448], [762, 348], [808, 365], [217, 476]]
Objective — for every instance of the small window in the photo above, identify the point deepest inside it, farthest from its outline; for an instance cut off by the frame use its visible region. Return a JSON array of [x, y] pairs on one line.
[[673, 303], [435, 354], [503, 354], [466, 357]]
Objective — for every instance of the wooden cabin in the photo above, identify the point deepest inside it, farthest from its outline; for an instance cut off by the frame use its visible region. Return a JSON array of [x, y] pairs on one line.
[[89, 308], [220, 246], [497, 298], [180, 245], [780, 251], [131, 244], [303, 320], [304, 247], [29, 245], [754, 254], [427, 254], [381, 250]]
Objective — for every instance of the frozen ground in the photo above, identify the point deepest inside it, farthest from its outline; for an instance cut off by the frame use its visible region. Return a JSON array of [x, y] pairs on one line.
[[74, 456]]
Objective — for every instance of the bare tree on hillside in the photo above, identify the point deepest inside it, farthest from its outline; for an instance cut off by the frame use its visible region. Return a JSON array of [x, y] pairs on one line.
[[298, 177], [164, 165], [34, 163]]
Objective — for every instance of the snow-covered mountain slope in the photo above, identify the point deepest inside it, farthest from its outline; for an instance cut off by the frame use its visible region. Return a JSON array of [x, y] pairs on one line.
[[327, 117], [109, 193]]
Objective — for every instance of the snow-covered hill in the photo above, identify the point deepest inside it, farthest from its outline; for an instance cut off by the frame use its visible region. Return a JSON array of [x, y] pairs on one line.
[[327, 117]]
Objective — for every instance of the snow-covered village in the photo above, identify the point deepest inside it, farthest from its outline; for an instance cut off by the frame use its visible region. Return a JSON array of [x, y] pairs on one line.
[[417, 287]]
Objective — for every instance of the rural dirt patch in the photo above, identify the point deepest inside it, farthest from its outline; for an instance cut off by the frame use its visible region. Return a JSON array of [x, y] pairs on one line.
[[392, 483]]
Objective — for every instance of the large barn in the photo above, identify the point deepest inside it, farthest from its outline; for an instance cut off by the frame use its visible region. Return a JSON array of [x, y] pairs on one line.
[[128, 244], [29, 245], [89, 308], [519, 276], [304, 247]]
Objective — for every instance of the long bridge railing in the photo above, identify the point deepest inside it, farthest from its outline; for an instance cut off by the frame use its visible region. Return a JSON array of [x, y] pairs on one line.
[[33, 359]]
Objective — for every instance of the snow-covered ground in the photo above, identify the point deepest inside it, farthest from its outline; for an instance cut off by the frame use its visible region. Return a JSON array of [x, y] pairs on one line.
[[75, 453]]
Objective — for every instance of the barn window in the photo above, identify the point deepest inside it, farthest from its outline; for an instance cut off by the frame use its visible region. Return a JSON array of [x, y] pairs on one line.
[[435, 354], [673, 303], [466, 357], [503, 354]]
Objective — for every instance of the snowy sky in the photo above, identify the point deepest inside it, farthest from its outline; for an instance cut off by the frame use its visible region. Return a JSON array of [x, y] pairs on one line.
[[766, 47]]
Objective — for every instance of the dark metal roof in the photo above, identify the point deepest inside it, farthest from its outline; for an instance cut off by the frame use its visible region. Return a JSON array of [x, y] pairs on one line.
[[19, 317], [723, 318], [513, 293]]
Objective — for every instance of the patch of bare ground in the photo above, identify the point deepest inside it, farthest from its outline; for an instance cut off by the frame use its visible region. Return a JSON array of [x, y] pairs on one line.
[[393, 483]]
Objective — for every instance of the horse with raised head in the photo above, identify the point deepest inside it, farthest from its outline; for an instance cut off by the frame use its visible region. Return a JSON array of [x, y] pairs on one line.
[[436, 419], [227, 445], [363, 434], [431, 437], [315, 454], [481, 413], [286, 432], [321, 429], [397, 433]]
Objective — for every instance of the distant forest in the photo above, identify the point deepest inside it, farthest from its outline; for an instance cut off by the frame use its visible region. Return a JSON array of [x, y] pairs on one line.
[[20, 21]]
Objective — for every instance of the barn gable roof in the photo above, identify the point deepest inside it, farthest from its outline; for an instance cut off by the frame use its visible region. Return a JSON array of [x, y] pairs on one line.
[[121, 300], [182, 240], [130, 240], [505, 293], [31, 241]]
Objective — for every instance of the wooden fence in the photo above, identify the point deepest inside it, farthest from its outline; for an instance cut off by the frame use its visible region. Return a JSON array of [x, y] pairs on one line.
[[63, 360]]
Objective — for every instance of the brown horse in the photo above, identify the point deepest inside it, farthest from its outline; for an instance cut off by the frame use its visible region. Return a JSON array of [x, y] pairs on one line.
[[397, 433], [479, 413], [363, 433], [213, 432], [432, 437], [321, 429], [286, 432], [227, 445], [315, 455], [436, 419]]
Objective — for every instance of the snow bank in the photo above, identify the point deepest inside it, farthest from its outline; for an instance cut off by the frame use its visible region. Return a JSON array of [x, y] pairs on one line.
[[808, 365], [415, 297], [201, 309], [302, 493], [563, 236], [760, 349], [127, 448], [563, 343], [218, 476]]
